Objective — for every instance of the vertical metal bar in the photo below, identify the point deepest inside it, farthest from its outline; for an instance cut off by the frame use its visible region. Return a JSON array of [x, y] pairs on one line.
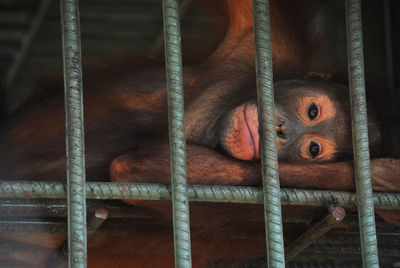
[[184, 6], [180, 200], [74, 133], [360, 134], [266, 115]]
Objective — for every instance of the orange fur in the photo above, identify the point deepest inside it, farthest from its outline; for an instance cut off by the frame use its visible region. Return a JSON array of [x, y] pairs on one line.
[[218, 230], [326, 145], [326, 109], [289, 41]]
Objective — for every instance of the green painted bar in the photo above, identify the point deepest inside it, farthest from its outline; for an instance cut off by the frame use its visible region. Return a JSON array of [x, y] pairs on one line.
[[176, 119], [199, 193], [360, 134], [266, 117], [74, 133]]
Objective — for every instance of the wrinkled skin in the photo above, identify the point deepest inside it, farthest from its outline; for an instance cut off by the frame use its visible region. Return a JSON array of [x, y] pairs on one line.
[[329, 127]]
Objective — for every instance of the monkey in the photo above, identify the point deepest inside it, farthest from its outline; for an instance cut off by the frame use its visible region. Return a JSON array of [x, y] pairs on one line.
[[320, 107], [126, 139]]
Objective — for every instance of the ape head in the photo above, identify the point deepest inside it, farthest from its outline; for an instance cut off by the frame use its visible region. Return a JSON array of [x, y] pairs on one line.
[[313, 123]]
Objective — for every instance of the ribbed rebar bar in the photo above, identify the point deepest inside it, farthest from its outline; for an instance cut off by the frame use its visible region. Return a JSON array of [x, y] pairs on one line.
[[360, 134], [72, 59], [184, 6], [266, 116], [315, 233], [176, 119], [198, 193]]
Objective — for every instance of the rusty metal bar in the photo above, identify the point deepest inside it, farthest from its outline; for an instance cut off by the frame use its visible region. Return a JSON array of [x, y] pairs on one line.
[[266, 117], [176, 119], [199, 193], [99, 216], [316, 232], [59, 260], [75, 152], [360, 134]]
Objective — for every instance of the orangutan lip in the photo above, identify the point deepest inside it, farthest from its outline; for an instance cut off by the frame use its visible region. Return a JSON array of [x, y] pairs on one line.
[[248, 130]]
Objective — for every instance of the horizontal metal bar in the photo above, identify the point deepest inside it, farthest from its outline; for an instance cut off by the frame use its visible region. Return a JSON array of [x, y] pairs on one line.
[[199, 193], [33, 208], [57, 209], [32, 226]]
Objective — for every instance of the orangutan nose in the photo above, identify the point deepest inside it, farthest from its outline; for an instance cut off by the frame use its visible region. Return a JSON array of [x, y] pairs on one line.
[[280, 131]]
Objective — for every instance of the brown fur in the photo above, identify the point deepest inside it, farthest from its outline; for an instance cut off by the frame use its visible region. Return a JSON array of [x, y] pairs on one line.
[[126, 137]]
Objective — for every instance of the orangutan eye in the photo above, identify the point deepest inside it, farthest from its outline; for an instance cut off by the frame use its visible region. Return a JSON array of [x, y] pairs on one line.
[[313, 149], [312, 111]]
